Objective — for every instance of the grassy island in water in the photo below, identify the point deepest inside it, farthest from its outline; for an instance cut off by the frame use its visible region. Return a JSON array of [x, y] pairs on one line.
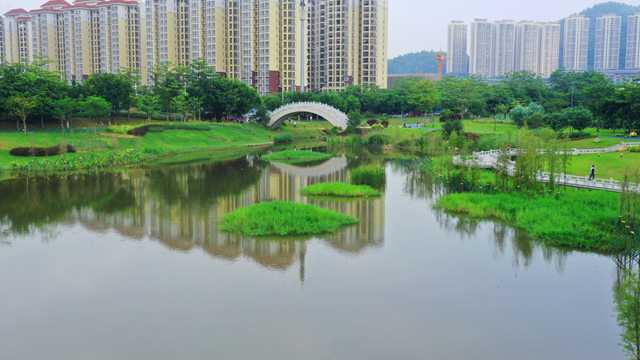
[[341, 190], [297, 157], [281, 218]]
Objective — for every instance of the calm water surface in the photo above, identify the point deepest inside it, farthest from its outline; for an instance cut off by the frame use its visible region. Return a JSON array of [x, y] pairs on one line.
[[133, 266]]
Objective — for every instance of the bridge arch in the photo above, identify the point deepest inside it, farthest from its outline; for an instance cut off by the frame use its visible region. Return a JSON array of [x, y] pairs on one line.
[[327, 168], [336, 117]]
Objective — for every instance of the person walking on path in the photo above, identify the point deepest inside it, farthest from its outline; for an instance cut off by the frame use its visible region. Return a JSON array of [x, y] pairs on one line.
[[592, 173]]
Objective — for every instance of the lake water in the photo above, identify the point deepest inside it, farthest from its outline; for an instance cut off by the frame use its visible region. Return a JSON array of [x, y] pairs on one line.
[[133, 266]]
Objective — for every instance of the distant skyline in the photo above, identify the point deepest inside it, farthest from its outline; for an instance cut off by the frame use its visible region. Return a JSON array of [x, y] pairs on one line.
[[416, 25]]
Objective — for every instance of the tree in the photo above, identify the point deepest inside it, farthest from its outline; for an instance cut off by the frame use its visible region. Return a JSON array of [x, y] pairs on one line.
[[579, 117], [180, 105], [21, 107], [117, 89], [355, 119], [261, 116], [452, 126], [149, 104], [422, 95], [95, 107], [557, 121], [621, 109], [64, 109], [32, 82], [463, 96], [168, 83], [531, 116], [527, 87]]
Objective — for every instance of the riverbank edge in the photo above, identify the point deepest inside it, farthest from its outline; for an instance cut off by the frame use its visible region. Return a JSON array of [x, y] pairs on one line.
[[574, 219], [165, 159]]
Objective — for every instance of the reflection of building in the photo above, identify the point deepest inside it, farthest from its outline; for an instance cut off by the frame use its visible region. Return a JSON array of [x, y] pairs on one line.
[[179, 209]]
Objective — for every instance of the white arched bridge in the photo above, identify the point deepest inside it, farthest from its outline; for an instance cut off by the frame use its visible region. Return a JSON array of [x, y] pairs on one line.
[[336, 117]]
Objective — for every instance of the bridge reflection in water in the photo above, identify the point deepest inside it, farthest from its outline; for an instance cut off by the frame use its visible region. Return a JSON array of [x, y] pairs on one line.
[[182, 208]]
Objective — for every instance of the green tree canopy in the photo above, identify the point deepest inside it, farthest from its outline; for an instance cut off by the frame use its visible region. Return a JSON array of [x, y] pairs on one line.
[[117, 89]]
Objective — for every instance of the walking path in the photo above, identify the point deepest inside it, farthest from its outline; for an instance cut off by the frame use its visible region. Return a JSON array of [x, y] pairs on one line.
[[489, 160]]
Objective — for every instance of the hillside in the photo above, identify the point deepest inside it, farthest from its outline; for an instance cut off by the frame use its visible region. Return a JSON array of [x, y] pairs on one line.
[[414, 63], [610, 8]]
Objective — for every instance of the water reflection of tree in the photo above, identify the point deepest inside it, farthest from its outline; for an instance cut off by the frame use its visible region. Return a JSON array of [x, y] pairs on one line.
[[29, 204], [418, 183], [627, 301], [505, 238]]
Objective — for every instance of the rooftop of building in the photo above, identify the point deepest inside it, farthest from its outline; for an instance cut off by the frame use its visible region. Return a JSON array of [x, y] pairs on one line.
[[16, 12]]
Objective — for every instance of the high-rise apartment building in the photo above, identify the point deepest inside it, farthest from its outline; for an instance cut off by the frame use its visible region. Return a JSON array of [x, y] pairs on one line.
[[273, 45], [504, 45], [576, 43], [632, 58], [76, 39], [18, 36], [178, 32], [47, 33], [481, 54], [347, 43], [607, 42], [549, 48], [458, 60], [371, 40], [2, 43], [527, 50]]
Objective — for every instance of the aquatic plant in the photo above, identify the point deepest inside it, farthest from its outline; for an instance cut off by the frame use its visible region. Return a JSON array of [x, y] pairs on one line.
[[341, 190], [297, 157], [371, 175], [576, 219], [281, 218]]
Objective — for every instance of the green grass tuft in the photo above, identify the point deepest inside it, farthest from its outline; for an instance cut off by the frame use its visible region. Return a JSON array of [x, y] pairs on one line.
[[575, 219], [371, 175], [297, 157], [284, 219], [341, 190]]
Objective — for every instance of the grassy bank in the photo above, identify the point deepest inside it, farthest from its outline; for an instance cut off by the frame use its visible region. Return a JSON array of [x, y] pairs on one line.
[[297, 157], [284, 219], [608, 166], [576, 219], [113, 148], [340, 190]]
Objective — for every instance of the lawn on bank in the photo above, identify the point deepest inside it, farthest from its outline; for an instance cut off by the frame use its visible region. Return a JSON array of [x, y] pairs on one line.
[[608, 166], [103, 149]]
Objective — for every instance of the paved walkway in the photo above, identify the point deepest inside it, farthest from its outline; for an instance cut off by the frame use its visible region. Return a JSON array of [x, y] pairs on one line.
[[489, 160]]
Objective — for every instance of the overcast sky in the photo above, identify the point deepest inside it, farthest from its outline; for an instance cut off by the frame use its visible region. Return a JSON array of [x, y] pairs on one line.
[[422, 24]]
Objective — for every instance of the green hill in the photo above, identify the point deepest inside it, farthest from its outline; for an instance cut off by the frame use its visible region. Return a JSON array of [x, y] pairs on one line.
[[414, 63], [610, 8]]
